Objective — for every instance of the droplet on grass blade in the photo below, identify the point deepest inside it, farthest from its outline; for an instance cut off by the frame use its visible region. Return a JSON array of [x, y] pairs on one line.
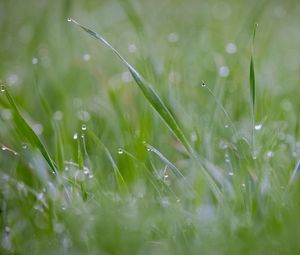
[[75, 136], [258, 126], [83, 127], [120, 151], [231, 48], [34, 61], [224, 71], [86, 57]]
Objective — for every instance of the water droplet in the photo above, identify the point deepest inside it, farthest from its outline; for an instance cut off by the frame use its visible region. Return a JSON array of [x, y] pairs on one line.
[[243, 185], [224, 71], [120, 151], [132, 48], [223, 145], [2, 88], [86, 57], [231, 48], [58, 115], [258, 126], [83, 127], [24, 146], [166, 175], [231, 174], [203, 84], [149, 149], [173, 37], [3, 148], [75, 136], [34, 61], [269, 154], [66, 169], [7, 229], [69, 19], [82, 136], [226, 126], [165, 202], [12, 79], [194, 136], [91, 176]]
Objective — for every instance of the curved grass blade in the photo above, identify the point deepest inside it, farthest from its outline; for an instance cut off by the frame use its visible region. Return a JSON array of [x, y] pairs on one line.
[[148, 92], [32, 137]]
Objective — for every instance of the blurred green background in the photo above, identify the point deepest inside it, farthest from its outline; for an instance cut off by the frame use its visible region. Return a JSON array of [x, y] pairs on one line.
[[67, 86]]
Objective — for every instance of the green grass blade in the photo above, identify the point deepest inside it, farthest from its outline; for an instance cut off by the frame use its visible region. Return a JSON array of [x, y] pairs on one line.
[[253, 88], [31, 136], [252, 84], [151, 96]]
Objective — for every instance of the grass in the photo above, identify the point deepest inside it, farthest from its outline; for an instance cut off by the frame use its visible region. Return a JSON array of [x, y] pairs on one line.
[[164, 154]]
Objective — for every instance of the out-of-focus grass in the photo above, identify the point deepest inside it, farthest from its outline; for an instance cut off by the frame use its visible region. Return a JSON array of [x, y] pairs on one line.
[[114, 192]]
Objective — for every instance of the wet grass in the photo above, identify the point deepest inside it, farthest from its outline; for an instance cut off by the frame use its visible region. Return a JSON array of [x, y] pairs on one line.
[[163, 155]]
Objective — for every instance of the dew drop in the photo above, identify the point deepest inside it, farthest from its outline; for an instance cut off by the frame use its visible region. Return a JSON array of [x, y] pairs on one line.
[[269, 154], [120, 151], [83, 127], [2, 88], [224, 71], [258, 126], [24, 146], [3, 148], [132, 48], [231, 174], [86, 57], [231, 48], [34, 61], [173, 37], [7, 229], [69, 19], [226, 126], [75, 136], [203, 84]]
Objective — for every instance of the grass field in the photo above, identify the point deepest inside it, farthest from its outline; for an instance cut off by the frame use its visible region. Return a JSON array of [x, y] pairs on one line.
[[173, 130]]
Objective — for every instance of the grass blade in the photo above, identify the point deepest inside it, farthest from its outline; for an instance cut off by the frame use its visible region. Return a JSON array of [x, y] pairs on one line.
[[148, 92], [31, 135], [253, 88]]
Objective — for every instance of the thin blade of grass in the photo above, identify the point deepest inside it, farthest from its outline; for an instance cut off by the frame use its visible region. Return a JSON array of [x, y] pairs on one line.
[[253, 88], [151, 96], [30, 134]]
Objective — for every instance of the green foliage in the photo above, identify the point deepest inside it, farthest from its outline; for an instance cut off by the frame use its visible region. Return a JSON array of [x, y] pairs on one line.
[[192, 176]]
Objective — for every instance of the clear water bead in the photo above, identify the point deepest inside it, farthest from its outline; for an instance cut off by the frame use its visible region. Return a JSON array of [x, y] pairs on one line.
[[75, 136], [83, 127], [120, 151], [258, 126], [231, 48], [34, 61]]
